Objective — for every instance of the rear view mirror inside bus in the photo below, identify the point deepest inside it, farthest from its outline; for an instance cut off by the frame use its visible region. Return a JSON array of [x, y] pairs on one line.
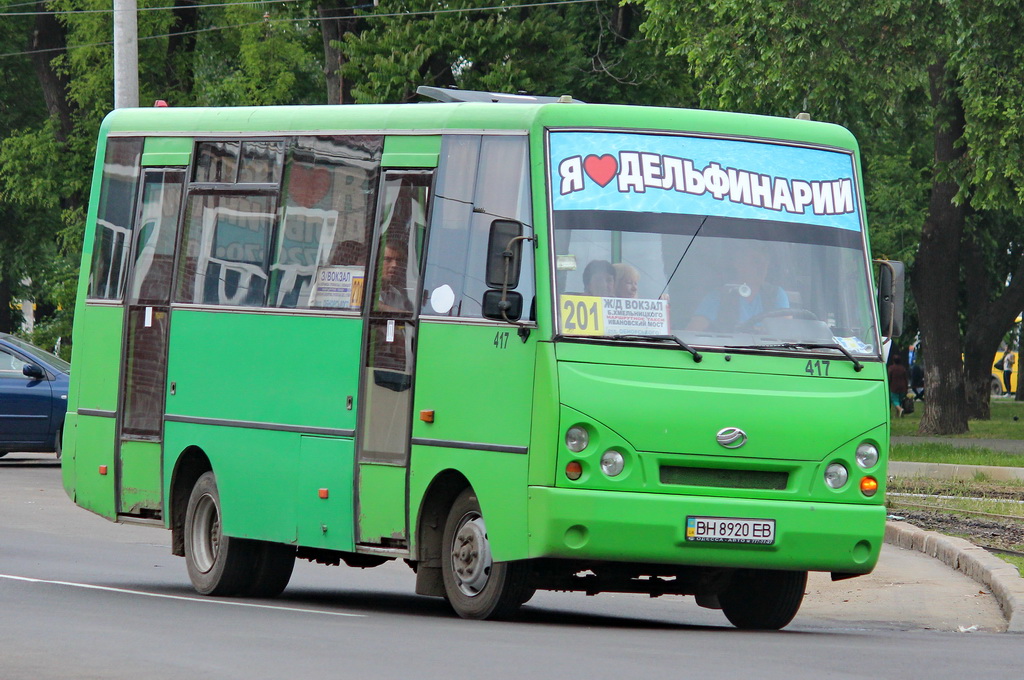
[[502, 250], [492, 305], [890, 297]]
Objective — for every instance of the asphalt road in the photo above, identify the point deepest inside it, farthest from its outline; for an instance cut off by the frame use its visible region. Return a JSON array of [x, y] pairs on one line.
[[84, 598]]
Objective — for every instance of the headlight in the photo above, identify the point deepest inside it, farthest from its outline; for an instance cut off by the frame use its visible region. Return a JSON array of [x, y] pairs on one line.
[[612, 462], [867, 455], [576, 438], [836, 475]]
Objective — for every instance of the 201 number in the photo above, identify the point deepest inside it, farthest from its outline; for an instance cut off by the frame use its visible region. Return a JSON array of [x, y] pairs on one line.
[[578, 316]]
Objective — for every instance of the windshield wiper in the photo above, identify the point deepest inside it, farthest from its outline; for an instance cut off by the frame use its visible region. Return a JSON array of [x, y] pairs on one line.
[[857, 366], [697, 356]]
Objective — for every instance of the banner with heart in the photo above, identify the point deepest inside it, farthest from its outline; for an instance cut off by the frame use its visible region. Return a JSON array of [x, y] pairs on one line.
[[601, 169]]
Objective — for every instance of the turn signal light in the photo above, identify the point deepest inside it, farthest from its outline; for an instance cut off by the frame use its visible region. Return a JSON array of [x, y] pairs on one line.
[[574, 470], [868, 486]]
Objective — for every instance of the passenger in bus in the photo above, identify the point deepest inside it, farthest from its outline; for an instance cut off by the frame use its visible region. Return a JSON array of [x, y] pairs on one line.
[[746, 296], [393, 295], [627, 280], [599, 279]]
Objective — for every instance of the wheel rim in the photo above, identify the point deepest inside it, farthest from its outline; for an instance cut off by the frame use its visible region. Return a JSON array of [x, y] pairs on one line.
[[206, 534], [471, 555]]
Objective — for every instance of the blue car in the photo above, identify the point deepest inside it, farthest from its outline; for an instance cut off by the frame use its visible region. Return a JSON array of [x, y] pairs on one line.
[[33, 397]]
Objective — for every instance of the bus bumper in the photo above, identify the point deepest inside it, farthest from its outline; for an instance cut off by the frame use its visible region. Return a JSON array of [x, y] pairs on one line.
[[645, 527]]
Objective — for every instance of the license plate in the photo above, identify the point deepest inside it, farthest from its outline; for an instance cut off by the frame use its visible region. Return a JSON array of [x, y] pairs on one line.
[[730, 530]]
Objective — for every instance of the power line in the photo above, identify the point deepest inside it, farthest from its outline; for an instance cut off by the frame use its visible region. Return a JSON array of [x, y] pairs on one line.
[[62, 12], [420, 13]]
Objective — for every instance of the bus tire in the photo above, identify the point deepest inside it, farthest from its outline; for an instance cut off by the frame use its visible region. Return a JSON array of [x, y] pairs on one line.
[[217, 564], [763, 599], [272, 569], [475, 586]]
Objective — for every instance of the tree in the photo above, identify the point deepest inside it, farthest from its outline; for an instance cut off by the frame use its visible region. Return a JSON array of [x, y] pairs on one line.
[[944, 78], [593, 51]]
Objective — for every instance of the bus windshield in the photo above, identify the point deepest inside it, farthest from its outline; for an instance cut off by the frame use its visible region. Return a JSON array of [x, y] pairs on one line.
[[755, 260]]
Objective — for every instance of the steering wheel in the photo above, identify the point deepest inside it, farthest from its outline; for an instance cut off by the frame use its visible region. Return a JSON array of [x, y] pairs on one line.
[[794, 312]]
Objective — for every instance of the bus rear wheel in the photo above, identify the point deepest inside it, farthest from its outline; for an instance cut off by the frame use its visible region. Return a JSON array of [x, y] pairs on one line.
[[475, 586], [217, 564], [761, 599]]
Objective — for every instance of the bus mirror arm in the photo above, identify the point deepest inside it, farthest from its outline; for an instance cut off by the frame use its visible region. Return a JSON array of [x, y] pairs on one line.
[[504, 306]]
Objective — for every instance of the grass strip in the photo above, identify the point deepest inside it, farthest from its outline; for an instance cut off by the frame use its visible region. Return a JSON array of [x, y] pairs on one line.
[[947, 453], [1007, 422]]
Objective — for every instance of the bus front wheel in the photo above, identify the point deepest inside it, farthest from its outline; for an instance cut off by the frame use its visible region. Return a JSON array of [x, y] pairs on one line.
[[217, 564], [475, 586], [762, 599]]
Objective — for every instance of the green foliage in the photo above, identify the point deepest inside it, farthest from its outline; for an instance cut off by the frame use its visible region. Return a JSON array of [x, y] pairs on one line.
[[592, 51], [270, 57]]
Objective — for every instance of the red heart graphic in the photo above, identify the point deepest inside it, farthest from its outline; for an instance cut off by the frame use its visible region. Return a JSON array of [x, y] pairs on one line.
[[308, 184], [601, 169]]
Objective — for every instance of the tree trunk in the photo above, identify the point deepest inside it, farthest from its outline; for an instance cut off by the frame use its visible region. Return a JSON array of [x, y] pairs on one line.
[[336, 19], [49, 34], [181, 46], [987, 321], [936, 273]]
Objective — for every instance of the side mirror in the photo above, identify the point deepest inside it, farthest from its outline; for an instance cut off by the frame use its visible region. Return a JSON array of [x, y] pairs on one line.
[[493, 305], [890, 297], [33, 371], [503, 259]]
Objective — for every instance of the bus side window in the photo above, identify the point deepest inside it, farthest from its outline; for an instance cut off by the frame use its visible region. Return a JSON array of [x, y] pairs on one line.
[[327, 220], [480, 178], [121, 171], [225, 248]]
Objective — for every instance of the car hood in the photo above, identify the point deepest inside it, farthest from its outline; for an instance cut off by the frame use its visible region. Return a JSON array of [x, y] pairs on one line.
[[676, 410]]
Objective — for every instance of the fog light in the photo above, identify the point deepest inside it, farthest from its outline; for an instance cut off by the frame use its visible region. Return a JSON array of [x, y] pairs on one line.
[[612, 462], [868, 486], [836, 475], [576, 438], [867, 455], [574, 470]]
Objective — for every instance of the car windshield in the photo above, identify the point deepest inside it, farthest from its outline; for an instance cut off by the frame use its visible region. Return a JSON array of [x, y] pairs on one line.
[[49, 359], [788, 272]]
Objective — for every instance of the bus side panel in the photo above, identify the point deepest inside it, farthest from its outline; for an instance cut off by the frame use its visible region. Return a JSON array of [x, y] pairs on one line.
[[94, 465], [544, 435], [325, 519], [499, 480], [140, 471], [478, 381], [256, 474], [89, 440], [381, 511], [289, 375], [276, 369], [97, 363]]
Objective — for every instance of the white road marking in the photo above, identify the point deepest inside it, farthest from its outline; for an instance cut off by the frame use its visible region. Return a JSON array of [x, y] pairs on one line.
[[206, 600]]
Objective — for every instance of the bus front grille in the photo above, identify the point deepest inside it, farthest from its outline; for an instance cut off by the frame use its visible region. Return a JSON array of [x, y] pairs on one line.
[[722, 478]]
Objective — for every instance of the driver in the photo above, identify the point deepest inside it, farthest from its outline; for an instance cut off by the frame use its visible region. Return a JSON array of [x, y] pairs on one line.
[[734, 304]]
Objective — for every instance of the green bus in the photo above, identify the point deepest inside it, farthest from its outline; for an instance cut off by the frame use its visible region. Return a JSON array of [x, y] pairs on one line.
[[521, 343]]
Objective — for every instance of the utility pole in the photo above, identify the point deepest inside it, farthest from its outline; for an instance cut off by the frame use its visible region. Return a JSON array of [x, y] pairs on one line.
[[126, 54]]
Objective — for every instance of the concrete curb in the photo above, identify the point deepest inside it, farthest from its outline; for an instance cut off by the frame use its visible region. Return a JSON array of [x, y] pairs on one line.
[[1001, 577], [950, 471]]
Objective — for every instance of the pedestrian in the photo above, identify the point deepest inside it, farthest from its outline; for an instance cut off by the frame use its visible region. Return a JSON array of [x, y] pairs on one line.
[[899, 383], [917, 380], [1009, 359]]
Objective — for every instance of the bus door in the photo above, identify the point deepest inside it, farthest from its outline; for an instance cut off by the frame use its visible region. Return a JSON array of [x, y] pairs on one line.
[[389, 357], [144, 367]]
